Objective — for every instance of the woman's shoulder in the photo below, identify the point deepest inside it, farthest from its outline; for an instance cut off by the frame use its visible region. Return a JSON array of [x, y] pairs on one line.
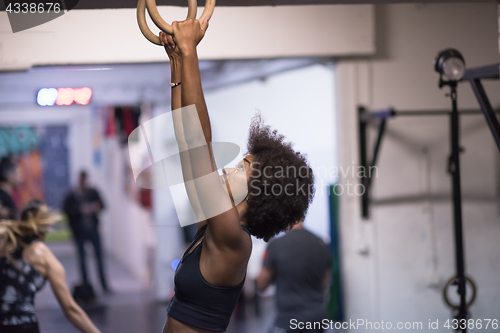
[[243, 249], [36, 253], [38, 247]]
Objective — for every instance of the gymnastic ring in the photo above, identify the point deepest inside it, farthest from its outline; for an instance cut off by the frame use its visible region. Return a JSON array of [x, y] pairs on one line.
[[453, 280], [160, 23]]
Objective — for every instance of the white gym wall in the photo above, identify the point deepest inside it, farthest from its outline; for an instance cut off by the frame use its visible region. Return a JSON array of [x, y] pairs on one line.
[[112, 35]]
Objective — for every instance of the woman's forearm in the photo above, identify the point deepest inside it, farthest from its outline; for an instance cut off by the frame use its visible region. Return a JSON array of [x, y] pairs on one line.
[[206, 192], [192, 92], [79, 319], [186, 163], [175, 77]]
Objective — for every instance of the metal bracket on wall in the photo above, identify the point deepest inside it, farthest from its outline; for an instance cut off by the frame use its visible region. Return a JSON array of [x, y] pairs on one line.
[[364, 117], [474, 76]]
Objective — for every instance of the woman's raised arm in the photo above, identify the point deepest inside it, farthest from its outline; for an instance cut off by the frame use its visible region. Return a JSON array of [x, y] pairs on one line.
[[221, 214], [175, 98]]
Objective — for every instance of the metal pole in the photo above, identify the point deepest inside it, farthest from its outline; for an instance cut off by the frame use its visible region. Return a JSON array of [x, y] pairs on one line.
[[381, 131], [363, 160], [457, 204]]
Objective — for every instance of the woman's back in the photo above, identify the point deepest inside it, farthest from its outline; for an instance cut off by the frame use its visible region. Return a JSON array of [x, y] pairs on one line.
[[19, 282]]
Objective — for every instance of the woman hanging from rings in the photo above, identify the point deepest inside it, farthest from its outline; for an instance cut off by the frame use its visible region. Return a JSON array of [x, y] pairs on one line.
[[266, 193], [25, 264]]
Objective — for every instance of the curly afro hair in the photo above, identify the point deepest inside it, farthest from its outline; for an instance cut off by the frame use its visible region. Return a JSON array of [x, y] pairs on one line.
[[281, 185]]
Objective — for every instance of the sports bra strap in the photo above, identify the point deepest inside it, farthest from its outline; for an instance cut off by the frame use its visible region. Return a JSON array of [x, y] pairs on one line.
[[197, 237], [201, 232]]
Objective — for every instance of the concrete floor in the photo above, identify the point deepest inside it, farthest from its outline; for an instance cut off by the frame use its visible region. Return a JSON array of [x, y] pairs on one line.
[[131, 308]]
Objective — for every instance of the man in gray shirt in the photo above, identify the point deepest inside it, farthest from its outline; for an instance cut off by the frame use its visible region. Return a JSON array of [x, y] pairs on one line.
[[300, 265]]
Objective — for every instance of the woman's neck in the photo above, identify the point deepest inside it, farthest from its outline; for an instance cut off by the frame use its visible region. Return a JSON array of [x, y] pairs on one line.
[[242, 208]]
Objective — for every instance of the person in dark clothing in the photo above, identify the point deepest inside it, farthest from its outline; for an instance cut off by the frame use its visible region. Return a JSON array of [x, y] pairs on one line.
[[299, 263], [9, 179], [82, 206]]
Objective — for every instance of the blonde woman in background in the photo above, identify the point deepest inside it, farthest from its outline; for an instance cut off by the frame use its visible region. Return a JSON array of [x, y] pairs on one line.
[[25, 264]]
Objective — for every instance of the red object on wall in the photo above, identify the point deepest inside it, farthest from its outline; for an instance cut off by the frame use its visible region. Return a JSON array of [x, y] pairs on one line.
[[110, 122], [128, 121]]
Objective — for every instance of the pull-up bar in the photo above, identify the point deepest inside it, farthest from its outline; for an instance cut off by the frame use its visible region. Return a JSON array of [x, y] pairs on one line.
[[474, 76], [390, 112], [382, 115]]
